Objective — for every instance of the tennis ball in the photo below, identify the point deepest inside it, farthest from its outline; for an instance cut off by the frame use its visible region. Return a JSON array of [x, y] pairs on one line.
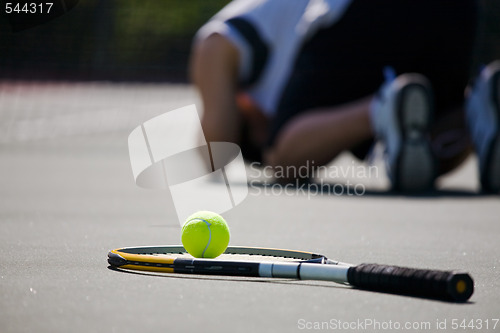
[[205, 235]]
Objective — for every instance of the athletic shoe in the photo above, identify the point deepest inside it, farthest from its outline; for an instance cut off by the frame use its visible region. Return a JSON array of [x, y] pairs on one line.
[[401, 116], [483, 118]]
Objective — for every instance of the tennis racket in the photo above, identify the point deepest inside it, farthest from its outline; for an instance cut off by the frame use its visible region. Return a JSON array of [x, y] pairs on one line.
[[276, 263]]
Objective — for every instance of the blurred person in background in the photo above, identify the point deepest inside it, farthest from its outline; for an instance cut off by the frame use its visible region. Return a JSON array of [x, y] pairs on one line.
[[295, 83]]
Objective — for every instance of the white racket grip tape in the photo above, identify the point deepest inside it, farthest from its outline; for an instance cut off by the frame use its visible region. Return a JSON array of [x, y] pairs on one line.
[[335, 273]]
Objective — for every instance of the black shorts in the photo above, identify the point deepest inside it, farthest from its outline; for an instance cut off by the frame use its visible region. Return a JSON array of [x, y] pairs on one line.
[[345, 61]]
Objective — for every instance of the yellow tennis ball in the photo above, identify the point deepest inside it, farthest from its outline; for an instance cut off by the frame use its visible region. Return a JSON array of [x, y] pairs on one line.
[[205, 235]]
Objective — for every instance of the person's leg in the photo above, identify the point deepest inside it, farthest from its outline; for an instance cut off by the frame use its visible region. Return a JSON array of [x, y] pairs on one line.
[[450, 140], [321, 134], [446, 61], [483, 118]]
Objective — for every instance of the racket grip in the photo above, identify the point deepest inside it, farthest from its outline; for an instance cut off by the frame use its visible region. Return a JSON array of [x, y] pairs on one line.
[[444, 285]]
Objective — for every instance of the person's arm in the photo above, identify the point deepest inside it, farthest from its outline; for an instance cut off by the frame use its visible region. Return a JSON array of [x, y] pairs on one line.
[[214, 71]]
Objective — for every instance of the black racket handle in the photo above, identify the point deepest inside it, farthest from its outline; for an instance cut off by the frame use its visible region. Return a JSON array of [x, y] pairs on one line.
[[444, 285]]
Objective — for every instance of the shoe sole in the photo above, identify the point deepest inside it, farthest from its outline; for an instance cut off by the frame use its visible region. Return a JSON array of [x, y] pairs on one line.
[[415, 165], [490, 176]]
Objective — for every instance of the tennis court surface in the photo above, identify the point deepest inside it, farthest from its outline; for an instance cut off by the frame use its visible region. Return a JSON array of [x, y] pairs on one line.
[[67, 196]]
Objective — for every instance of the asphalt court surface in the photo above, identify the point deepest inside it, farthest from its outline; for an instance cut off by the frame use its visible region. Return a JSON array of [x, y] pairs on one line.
[[67, 196]]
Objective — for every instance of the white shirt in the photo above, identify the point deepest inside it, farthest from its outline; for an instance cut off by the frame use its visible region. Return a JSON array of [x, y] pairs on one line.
[[283, 25]]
